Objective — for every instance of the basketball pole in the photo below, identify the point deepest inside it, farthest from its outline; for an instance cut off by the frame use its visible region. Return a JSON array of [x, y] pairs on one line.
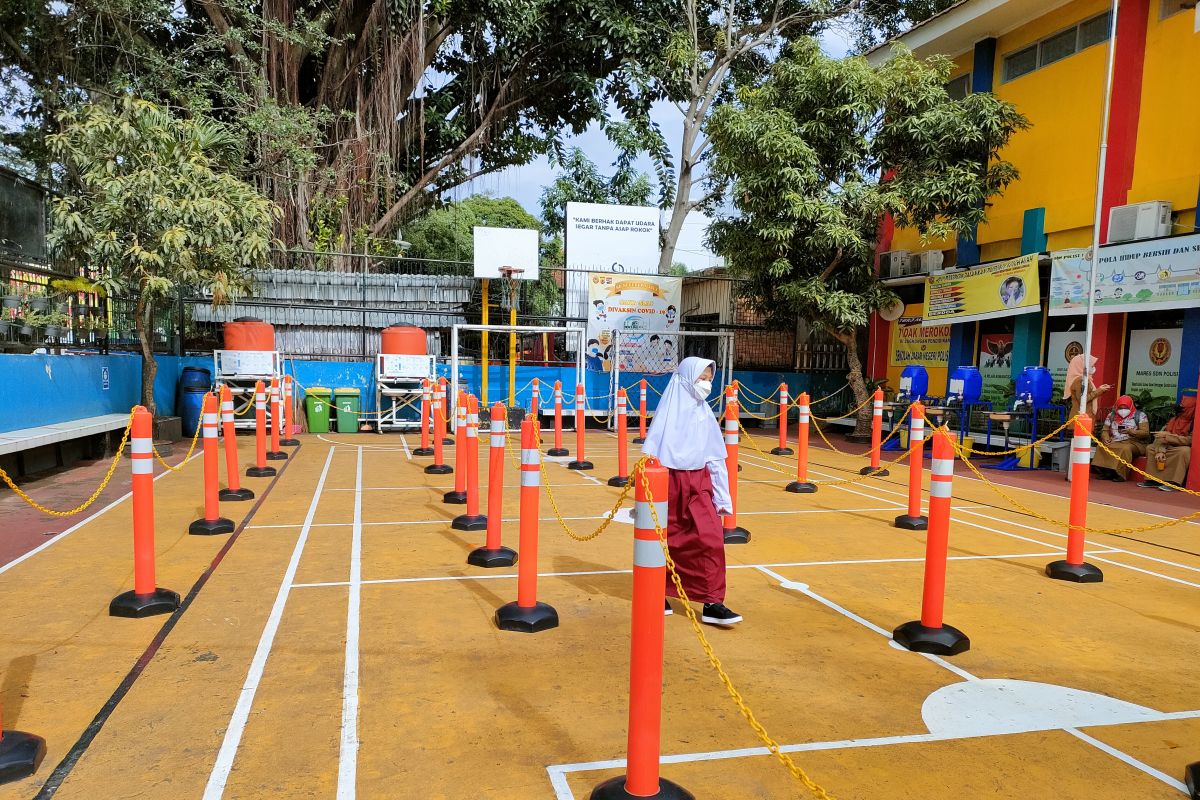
[[512, 346], [483, 389]]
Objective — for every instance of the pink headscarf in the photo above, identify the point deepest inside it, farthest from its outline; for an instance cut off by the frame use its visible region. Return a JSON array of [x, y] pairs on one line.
[[1075, 370]]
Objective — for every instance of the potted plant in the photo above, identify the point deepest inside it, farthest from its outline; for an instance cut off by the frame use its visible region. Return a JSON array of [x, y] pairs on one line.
[[35, 297], [67, 288], [23, 325], [11, 297], [53, 322]]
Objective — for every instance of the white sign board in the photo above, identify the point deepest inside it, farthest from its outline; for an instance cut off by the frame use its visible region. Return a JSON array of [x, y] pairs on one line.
[[405, 366], [1154, 362], [607, 238], [506, 247]]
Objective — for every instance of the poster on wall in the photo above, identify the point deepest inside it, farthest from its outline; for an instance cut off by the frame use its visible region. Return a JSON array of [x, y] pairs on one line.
[[1133, 276], [996, 290], [995, 365], [1061, 347], [914, 342], [645, 309], [607, 238], [1154, 362]]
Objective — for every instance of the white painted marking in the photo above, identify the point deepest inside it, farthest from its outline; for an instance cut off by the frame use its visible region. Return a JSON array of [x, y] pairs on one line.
[[1128, 759], [217, 779], [348, 755], [407, 451]]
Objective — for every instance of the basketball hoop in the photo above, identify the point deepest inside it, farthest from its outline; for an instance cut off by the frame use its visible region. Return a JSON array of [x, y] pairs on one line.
[[512, 294]]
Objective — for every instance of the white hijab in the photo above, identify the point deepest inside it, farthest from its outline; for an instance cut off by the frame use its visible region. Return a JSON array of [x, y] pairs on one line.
[[684, 434]]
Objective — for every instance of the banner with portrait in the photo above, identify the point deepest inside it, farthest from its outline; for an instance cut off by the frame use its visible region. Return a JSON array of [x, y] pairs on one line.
[[914, 342], [645, 309], [1003, 289]]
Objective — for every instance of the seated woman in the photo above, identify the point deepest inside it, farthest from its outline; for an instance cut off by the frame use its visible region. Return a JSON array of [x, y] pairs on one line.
[[1168, 457], [1126, 431]]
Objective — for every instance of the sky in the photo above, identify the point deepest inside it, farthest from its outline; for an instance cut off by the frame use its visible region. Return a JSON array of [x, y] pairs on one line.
[[524, 183]]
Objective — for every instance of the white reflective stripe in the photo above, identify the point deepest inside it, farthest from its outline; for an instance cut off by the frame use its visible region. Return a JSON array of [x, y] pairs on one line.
[[497, 440], [803, 419], [472, 432], [805, 409], [261, 397], [643, 394], [1081, 442], [142, 446], [939, 489], [210, 418], [731, 438], [260, 405], [1081, 456], [143, 466], [918, 423], [498, 425], [647, 553], [531, 477], [918, 435], [942, 466], [473, 419], [642, 518], [226, 416], [877, 406], [227, 405], [530, 457]]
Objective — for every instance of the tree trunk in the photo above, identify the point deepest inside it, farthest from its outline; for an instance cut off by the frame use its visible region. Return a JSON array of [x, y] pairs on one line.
[[858, 385], [142, 316]]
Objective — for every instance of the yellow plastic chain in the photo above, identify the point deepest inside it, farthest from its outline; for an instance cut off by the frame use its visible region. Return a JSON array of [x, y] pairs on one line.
[[772, 745], [587, 537], [831, 481], [112, 468], [849, 413], [896, 426], [191, 449]]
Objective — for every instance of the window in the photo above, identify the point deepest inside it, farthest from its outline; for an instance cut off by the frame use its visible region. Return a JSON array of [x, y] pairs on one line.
[[1095, 30], [1020, 63], [1057, 47], [958, 88], [1170, 8]]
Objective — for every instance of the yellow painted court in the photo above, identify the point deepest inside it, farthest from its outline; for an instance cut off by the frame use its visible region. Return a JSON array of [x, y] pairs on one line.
[[342, 647]]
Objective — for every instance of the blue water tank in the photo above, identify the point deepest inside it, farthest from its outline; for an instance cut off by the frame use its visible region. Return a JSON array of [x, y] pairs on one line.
[[1035, 385], [914, 382], [194, 383], [965, 385]]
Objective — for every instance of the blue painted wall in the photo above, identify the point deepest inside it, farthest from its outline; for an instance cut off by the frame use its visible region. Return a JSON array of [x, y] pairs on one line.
[[44, 389]]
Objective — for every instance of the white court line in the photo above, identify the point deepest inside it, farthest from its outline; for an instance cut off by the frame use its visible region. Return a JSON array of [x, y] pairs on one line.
[[348, 754], [219, 776], [6, 567], [407, 451], [1128, 759]]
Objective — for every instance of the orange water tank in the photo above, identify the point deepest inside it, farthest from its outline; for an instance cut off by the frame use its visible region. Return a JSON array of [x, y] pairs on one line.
[[248, 333], [403, 340]]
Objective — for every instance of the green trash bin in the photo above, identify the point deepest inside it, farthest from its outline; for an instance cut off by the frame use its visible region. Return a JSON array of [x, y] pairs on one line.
[[346, 402], [316, 404]]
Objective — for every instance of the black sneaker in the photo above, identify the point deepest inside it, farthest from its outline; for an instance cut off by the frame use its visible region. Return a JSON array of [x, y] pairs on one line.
[[668, 611], [1148, 485], [718, 614]]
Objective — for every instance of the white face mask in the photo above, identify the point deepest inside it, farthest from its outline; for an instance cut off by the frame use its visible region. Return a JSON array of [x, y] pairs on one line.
[[704, 388], [1091, 370], [1124, 412]]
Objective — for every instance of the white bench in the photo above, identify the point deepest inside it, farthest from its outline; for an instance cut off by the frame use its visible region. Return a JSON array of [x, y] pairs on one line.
[[28, 438]]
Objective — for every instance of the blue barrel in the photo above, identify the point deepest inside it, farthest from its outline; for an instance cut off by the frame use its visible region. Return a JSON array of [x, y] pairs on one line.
[[194, 383], [1035, 385], [965, 385], [914, 382]]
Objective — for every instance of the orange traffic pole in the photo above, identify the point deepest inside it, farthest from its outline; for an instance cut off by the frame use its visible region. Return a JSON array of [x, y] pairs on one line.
[[622, 476], [558, 450], [260, 468], [426, 393], [876, 436], [733, 533], [233, 475], [289, 410], [641, 437], [641, 778], [458, 495], [275, 454], [803, 419], [535, 399], [913, 521], [472, 520], [1074, 568], [439, 466], [527, 615], [494, 554], [580, 461], [212, 521], [783, 449], [444, 387], [929, 634], [146, 599]]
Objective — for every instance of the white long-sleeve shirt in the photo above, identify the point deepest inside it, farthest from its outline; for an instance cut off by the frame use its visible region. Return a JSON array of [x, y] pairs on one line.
[[720, 484]]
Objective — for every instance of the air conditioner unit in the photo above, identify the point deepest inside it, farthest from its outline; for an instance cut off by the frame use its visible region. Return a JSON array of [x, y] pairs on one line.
[[893, 264], [1139, 221], [926, 262]]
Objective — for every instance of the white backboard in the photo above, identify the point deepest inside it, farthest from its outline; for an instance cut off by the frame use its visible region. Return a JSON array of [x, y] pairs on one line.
[[506, 247]]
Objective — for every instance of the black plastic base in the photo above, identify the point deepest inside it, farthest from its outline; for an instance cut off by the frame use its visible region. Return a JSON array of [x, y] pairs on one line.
[[489, 559], [455, 498], [581, 465], [423, 451], [137, 606], [235, 494], [260, 472], [211, 527], [614, 789], [944, 641], [737, 535], [617, 480], [1077, 573], [912, 523], [289, 442], [782, 451], [796, 487], [1191, 779], [20, 755], [470, 522], [439, 469], [276, 455], [511, 617], [882, 473], [449, 440], [558, 452], [638, 440]]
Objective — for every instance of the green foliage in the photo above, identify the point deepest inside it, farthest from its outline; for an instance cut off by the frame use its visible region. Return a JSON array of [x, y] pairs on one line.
[[580, 181]]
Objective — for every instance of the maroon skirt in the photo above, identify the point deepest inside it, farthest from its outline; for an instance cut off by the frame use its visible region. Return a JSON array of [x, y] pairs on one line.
[[695, 537]]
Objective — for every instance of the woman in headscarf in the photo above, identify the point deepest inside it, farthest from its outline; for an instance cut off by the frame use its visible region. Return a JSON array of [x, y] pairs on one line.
[[686, 438], [1126, 431], [1167, 459], [1074, 387]]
